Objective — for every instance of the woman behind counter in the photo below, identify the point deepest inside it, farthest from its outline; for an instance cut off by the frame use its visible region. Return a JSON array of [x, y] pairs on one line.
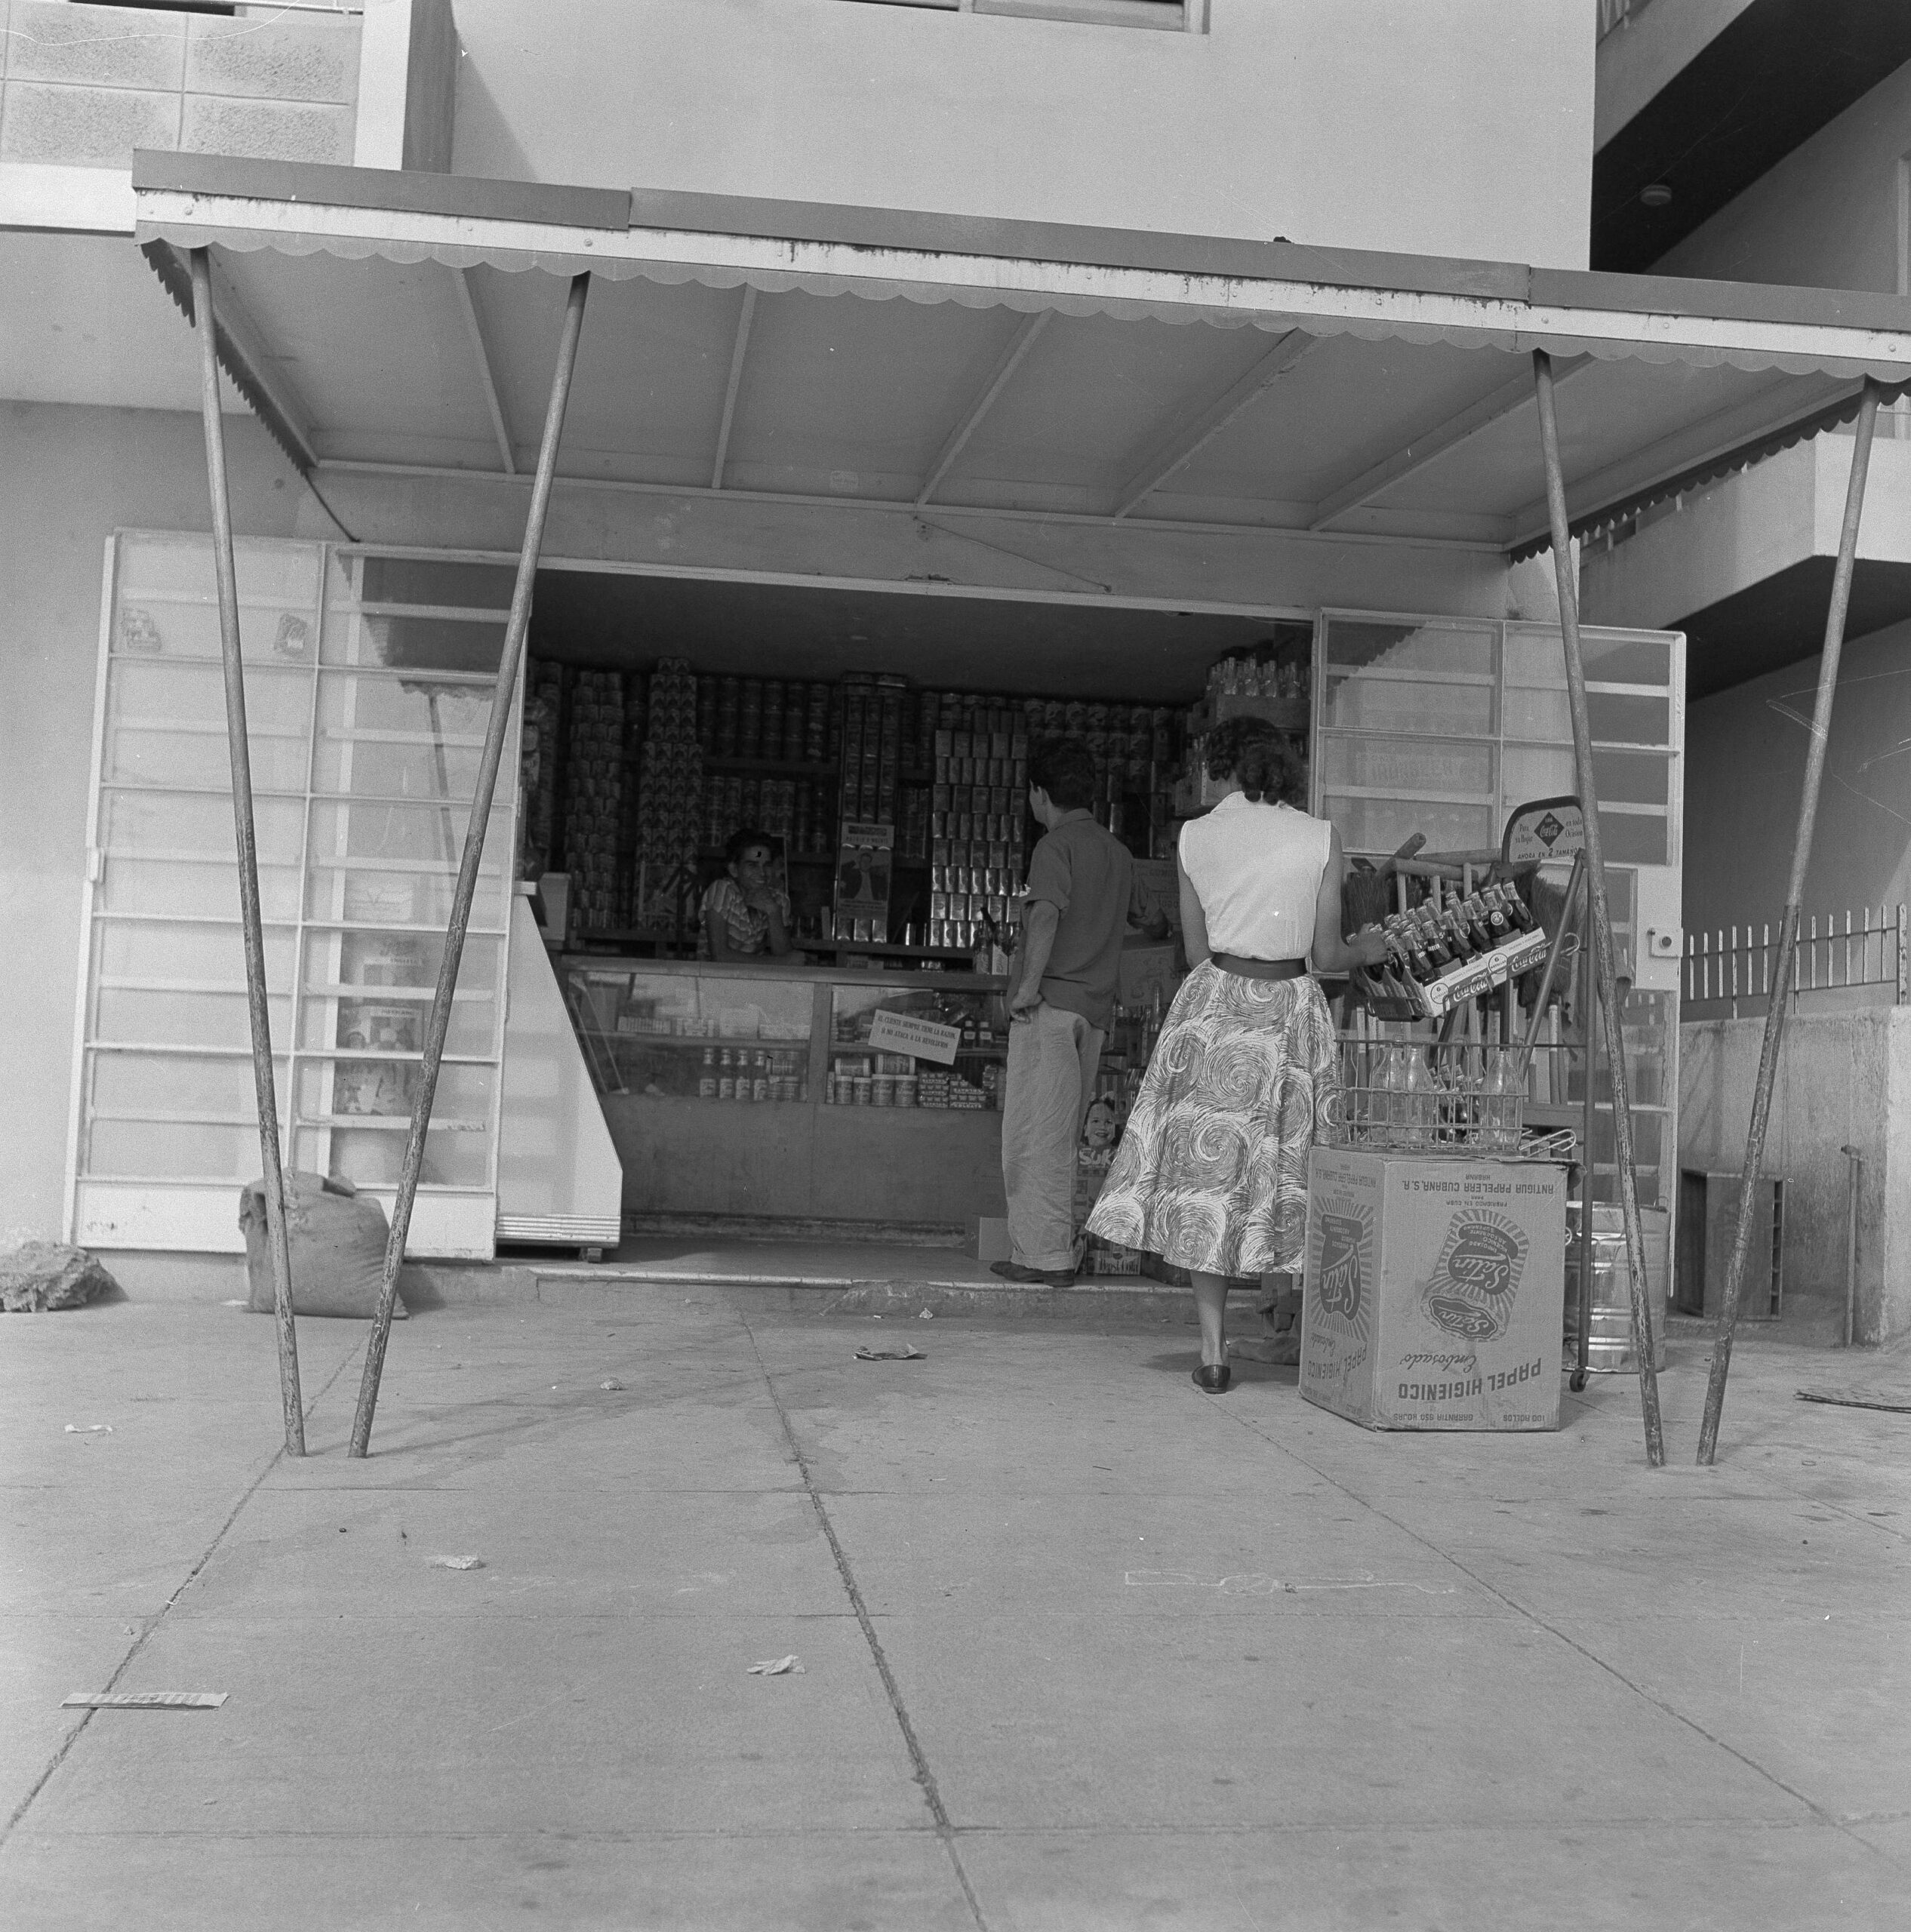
[[1211, 1174], [743, 916]]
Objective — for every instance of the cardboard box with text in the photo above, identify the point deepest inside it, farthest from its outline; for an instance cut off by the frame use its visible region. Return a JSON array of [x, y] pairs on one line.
[[1434, 1294]]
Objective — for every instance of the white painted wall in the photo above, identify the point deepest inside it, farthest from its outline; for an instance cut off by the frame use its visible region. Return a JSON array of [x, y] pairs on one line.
[[1741, 530], [70, 476], [1825, 216], [1745, 753], [1431, 127], [1649, 47], [1844, 1080]]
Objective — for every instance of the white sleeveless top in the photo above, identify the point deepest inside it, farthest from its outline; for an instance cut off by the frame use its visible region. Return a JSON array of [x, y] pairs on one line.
[[1256, 870]]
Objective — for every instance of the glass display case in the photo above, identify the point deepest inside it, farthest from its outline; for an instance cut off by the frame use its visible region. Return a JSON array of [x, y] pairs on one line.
[[672, 1031], [686, 1030]]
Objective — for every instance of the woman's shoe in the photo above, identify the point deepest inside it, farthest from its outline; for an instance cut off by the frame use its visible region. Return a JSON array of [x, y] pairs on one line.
[[1212, 1379]]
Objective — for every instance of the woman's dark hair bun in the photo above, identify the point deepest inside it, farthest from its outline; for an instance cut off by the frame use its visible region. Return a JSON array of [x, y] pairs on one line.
[[1257, 755]]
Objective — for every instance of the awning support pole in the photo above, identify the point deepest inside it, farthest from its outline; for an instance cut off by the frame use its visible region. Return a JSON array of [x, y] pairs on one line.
[[495, 734], [1605, 1008], [1788, 929], [251, 923]]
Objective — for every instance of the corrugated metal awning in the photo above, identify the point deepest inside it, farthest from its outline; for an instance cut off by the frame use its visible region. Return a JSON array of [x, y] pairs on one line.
[[993, 365]]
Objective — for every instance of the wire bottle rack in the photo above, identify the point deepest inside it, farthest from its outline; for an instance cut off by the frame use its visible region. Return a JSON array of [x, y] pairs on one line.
[[1402, 1094]]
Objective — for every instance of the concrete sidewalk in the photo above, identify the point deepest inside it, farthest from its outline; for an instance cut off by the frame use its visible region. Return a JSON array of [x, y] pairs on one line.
[[1081, 1648]]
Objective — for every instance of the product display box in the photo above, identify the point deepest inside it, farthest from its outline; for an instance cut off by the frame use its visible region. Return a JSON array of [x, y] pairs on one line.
[[1434, 1295]]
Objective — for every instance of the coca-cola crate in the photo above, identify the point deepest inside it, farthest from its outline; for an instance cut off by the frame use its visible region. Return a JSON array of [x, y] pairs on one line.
[[1434, 999]]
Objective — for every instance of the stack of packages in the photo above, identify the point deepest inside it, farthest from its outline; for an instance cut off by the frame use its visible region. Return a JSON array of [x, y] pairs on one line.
[[538, 757], [977, 813], [1137, 763], [872, 748], [593, 795], [669, 796], [632, 752], [795, 810]]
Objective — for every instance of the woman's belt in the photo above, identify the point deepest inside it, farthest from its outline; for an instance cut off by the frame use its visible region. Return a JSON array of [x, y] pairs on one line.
[[1260, 969]]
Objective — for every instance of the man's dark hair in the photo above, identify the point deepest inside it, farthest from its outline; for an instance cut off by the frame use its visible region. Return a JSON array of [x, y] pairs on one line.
[[1065, 769]]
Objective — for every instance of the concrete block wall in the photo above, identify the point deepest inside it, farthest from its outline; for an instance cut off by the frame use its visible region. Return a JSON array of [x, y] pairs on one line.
[[1844, 1079], [83, 86]]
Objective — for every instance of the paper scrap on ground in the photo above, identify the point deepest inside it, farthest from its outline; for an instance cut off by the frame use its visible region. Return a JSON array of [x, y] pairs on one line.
[[144, 1700], [89, 1428], [908, 1352], [789, 1667], [1859, 1398], [457, 1563], [609, 1385]]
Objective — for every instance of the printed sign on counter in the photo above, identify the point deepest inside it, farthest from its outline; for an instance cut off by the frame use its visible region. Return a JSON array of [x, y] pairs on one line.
[[903, 1033]]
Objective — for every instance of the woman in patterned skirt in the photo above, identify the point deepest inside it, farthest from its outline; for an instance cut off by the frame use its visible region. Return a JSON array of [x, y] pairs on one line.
[[1211, 1174]]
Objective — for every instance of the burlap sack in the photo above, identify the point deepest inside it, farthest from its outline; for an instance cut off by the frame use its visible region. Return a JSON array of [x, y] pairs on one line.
[[337, 1236]]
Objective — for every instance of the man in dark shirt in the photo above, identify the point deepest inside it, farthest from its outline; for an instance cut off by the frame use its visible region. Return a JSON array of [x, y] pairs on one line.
[[1081, 892]]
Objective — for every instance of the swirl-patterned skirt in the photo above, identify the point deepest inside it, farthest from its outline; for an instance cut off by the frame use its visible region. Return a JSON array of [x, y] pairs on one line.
[[1211, 1173]]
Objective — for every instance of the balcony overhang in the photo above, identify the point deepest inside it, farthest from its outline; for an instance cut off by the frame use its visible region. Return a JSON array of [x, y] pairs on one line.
[[1113, 376], [1744, 567]]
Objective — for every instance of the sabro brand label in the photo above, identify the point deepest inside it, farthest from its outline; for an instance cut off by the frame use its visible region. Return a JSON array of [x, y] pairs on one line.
[[1344, 1267], [1474, 1283]]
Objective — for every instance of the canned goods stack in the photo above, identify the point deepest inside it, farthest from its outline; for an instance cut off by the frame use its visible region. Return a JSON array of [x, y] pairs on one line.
[[593, 794], [763, 719], [752, 1073], [978, 816], [670, 789], [539, 760], [1136, 748]]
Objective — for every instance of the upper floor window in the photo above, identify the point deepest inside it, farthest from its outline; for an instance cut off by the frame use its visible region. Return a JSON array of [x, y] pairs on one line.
[[1174, 15]]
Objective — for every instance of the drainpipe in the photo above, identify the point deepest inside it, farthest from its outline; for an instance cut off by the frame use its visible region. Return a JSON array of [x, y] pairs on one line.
[[1853, 1173]]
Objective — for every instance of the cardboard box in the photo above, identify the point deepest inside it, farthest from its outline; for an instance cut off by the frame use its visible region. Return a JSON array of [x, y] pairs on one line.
[[1434, 1292], [988, 1238]]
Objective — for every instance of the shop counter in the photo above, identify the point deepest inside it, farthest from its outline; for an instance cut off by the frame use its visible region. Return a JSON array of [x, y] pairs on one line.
[[753, 1088]]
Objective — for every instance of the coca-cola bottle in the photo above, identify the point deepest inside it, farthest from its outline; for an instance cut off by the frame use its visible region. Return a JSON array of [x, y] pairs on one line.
[[1432, 939], [1453, 929], [1472, 910], [1516, 908]]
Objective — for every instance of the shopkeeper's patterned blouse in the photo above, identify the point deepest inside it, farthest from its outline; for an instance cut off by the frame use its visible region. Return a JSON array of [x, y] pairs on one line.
[[748, 929]]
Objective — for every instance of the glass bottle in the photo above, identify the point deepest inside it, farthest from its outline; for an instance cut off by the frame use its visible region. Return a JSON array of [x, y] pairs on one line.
[[1505, 1090], [1390, 1096], [726, 1086], [706, 1081], [1420, 1095]]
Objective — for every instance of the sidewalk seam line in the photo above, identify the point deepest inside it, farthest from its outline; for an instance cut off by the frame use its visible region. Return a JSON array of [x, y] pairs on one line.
[[924, 1777], [1533, 1617], [185, 1582]]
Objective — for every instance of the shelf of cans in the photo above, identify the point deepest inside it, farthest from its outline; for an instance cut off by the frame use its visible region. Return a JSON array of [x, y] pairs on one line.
[[978, 824], [628, 780], [753, 1074], [860, 1076], [798, 811], [896, 1080]]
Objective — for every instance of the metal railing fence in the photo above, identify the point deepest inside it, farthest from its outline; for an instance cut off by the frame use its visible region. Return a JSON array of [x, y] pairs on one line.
[[1729, 971]]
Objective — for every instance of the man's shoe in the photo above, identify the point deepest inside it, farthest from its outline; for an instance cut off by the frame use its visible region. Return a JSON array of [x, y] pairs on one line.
[[1013, 1271]]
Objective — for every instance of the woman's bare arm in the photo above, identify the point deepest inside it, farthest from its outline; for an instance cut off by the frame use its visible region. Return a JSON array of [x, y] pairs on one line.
[[1331, 952], [1194, 923]]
